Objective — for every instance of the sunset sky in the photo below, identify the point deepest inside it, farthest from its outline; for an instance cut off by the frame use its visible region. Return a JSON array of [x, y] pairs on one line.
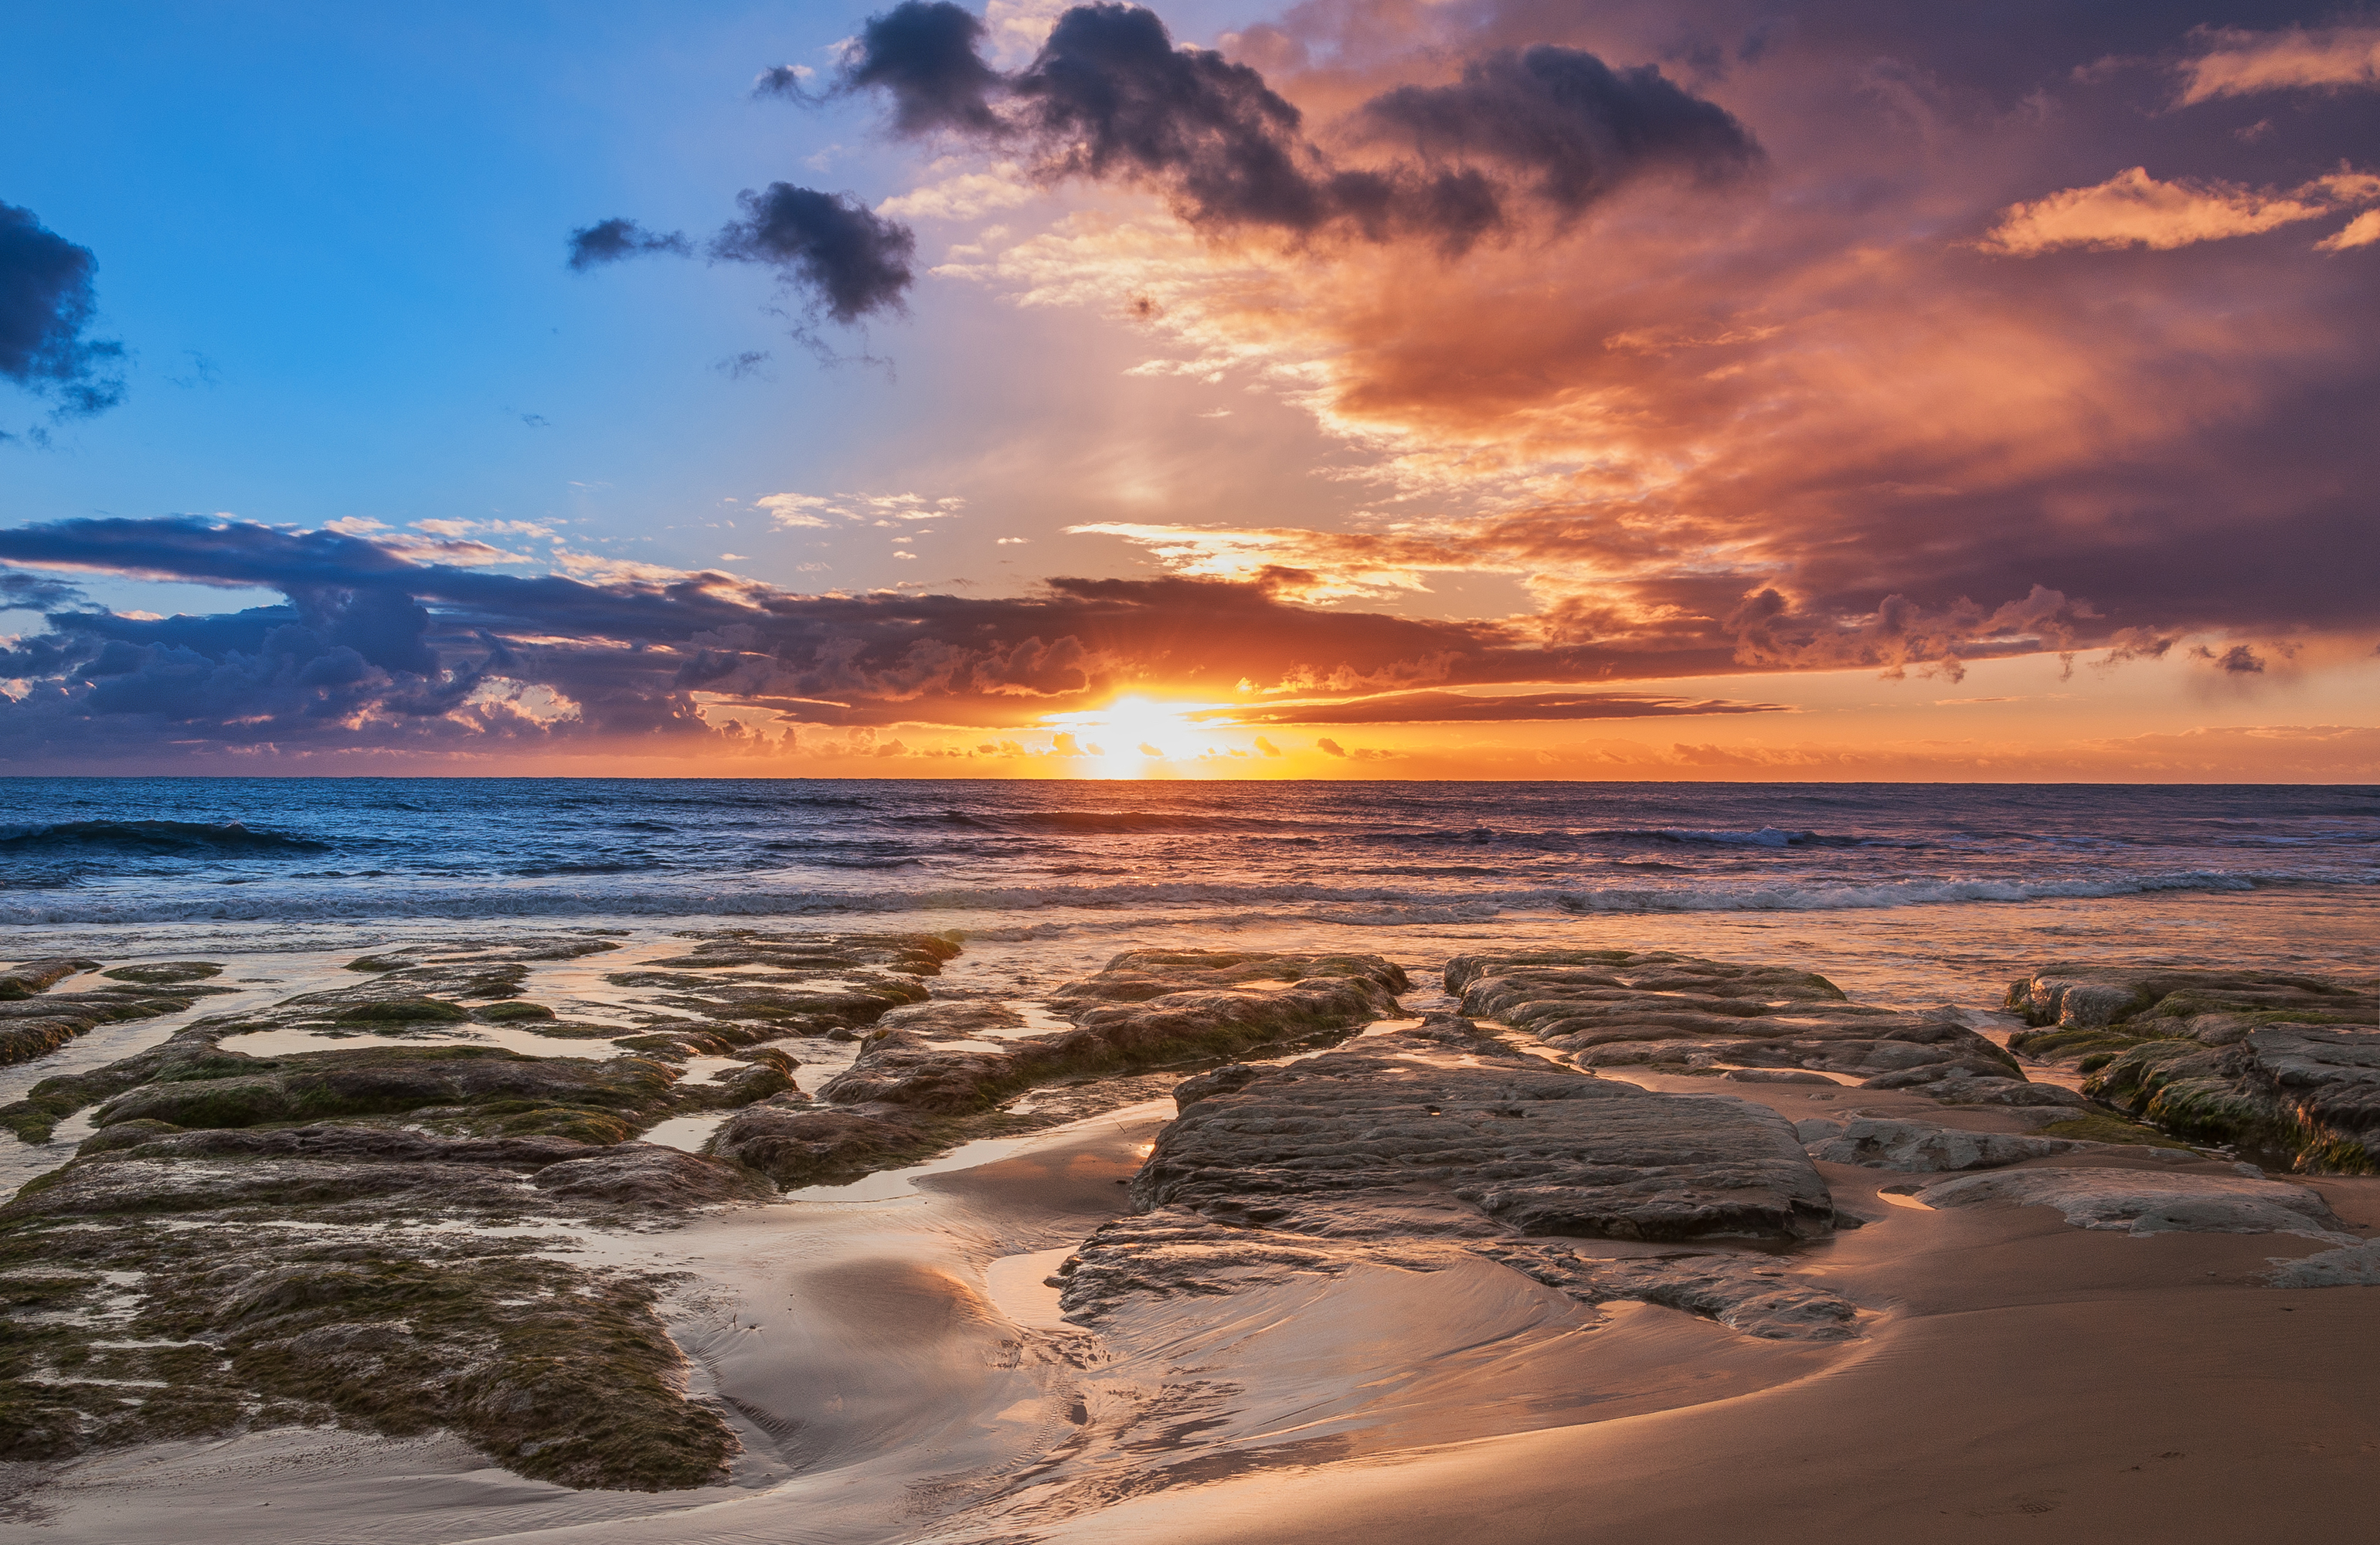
[[1710, 389]]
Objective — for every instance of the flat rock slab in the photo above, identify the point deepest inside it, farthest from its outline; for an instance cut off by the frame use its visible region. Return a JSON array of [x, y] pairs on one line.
[[1618, 1007], [1393, 1126], [1417, 1143], [2139, 1202], [2349, 1266]]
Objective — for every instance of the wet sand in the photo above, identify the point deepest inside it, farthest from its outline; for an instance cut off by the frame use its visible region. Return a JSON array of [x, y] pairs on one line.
[[894, 1377], [896, 1369]]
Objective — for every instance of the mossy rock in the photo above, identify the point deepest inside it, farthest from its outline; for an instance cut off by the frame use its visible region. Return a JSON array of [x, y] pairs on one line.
[[403, 1010], [2095, 1127], [241, 1102], [165, 972], [512, 1009]]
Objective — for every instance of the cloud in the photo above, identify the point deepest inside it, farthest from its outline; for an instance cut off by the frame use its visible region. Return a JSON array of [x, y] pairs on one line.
[[853, 261], [922, 57], [610, 241], [387, 642], [2238, 660], [788, 509], [1109, 98], [1815, 386], [46, 306], [23, 592], [1572, 127], [2133, 209], [1331, 746], [2238, 63], [964, 195], [850, 261], [1451, 707], [2361, 231]]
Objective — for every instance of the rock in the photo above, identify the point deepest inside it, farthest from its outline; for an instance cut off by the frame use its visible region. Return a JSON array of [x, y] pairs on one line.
[[796, 1144], [294, 1215], [2140, 1202], [34, 1020], [2356, 1265], [1227, 1080], [949, 1020], [1528, 1147], [388, 1079], [910, 1094], [1775, 1075], [2008, 1092], [648, 1175], [40, 976], [1124, 1023], [2306, 1096], [1918, 1148], [165, 973], [1411, 1143], [2084, 997], [1617, 1007], [1758, 1295]]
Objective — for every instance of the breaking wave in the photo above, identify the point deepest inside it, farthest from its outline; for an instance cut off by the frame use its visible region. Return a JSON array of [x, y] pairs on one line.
[[156, 839]]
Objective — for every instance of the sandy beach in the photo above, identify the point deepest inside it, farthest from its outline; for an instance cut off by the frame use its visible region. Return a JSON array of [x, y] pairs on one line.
[[1006, 1340]]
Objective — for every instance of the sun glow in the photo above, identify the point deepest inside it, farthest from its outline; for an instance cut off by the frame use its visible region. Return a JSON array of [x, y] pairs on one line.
[[1130, 733]]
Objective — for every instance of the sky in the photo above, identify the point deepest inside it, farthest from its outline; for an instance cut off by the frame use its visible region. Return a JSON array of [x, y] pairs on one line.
[[1708, 388]]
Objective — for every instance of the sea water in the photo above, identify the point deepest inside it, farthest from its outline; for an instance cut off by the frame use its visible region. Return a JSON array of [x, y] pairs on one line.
[[1914, 893]]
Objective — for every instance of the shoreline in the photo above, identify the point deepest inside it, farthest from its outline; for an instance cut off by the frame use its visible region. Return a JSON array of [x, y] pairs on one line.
[[889, 1369]]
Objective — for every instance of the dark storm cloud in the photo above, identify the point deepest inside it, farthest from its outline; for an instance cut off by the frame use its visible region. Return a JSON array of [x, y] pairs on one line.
[[610, 241], [1109, 98], [373, 650], [923, 57], [46, 306], [852, 259], [1568, 124], [847, 261]]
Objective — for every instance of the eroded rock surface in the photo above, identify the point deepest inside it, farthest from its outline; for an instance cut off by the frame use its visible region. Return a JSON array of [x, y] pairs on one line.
[[910, 1091], [2285, 1068], [35, 1021], [1416, 1141], [308, 1275], [1675, 1013], [2349, 1266], [2142, 1201], [269, 1238]]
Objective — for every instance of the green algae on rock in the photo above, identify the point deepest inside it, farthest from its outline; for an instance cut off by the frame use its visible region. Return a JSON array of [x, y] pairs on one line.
[[204, 1283], [908, 1095], [35, 1021], [2285, 1068], [254, 1240]]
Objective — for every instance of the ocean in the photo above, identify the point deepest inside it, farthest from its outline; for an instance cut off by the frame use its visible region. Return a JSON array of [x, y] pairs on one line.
[[1910, 889]]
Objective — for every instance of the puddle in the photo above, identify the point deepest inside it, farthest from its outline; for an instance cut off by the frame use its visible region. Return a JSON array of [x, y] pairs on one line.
[[709, 1069], [896, 1185], [512, 1038], [1039, 1021], [687, 1132], [1018, 1286]]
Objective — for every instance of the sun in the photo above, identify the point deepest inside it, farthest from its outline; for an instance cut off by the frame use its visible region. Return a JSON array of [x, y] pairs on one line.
[[1129, 733]]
